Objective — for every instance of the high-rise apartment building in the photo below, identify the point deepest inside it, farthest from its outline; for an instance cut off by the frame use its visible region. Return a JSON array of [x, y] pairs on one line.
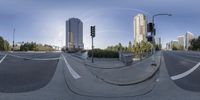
[[181, 40], [188, 37], [140, 28]]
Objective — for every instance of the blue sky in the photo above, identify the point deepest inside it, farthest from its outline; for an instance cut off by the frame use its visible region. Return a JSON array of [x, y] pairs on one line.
[[43, 21]]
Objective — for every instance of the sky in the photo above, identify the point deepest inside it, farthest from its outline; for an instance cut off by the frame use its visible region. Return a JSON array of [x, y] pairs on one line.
[[43, 21]]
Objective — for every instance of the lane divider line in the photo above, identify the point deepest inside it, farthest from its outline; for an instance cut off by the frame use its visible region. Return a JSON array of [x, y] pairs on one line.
[[3, 58], [34, 58], [179, 76], [73, 73]]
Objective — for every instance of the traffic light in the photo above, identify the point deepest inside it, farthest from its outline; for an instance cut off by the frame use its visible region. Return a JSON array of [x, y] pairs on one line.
[[92, 29], [149, 38], [154, 31], [150, 27]]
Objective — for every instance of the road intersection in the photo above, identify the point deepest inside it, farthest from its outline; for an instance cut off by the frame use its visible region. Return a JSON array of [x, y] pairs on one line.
[[61, 76]]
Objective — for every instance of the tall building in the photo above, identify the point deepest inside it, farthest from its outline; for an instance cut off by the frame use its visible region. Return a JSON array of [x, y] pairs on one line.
[[181, 40], [174, 43], [168, 46], [140, 28], [74, 34], [158, 41], [188, 37]]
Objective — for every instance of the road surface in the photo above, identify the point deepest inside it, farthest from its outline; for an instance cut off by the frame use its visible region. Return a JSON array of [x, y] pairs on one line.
[[180, 64]]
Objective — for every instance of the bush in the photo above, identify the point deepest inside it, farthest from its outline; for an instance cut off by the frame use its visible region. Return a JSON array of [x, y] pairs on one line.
[[98, 53]]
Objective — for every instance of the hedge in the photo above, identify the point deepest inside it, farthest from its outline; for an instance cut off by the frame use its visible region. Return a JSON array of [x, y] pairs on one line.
[[98, 53]]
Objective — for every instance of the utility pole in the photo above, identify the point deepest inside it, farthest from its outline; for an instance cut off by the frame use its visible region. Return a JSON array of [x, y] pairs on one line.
[[92, 29], [13, 38]]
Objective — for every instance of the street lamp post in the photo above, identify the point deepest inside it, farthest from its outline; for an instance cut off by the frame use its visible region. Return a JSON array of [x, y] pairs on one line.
[[13, 38], [154, 31]]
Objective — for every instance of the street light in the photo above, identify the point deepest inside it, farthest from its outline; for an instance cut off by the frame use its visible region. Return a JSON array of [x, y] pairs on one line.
[[154, 31], [159, 15], [13, 38]]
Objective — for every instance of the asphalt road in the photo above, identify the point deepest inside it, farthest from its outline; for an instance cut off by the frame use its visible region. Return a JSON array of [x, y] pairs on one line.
[[180, 62], [53, 79], [22, 75]]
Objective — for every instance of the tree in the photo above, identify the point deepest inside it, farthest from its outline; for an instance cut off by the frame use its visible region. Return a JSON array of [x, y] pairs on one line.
[[141, 48], [4, 45], [1, 44], [195, 44], [35, 47], [129, 47], [136, 49], [120, 47], [174, 47]]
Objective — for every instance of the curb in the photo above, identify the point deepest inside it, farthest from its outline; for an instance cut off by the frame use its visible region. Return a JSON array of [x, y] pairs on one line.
[[118, 67], [145, 78], [88, 94], [93, 66], [132, 82]]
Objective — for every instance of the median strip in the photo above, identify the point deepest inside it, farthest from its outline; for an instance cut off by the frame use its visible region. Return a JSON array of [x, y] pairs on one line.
[[3, 58], [176, 77], [73, 73]]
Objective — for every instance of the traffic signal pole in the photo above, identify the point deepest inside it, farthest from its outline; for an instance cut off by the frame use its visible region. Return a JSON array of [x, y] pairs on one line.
[[92, 51], [92, 29]]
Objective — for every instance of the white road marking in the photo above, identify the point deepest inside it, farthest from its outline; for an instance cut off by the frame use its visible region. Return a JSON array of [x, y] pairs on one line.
[[3, 58], [34, 58], [157, 80], [73, 73], [176, 77], [43, 58]]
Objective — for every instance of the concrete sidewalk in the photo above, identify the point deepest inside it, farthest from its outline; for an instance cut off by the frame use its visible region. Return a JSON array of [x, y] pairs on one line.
[[90, 84], [124, 75], [105, 64]]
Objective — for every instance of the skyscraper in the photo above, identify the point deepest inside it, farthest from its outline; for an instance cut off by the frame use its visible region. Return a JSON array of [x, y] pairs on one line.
[[140, 28], [188, 38], [174, 43], [181, 40], [74, 34], [158, 42], [168, 47]]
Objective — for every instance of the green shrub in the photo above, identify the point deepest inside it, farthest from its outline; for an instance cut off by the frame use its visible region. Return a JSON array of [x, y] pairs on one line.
[[98, 53]]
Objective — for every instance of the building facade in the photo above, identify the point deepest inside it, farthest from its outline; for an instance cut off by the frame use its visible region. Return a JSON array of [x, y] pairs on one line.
[[188, 37], [158, 41], [168, 46], [181, 40], [74, 34], [174, 43], [140, 28]]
